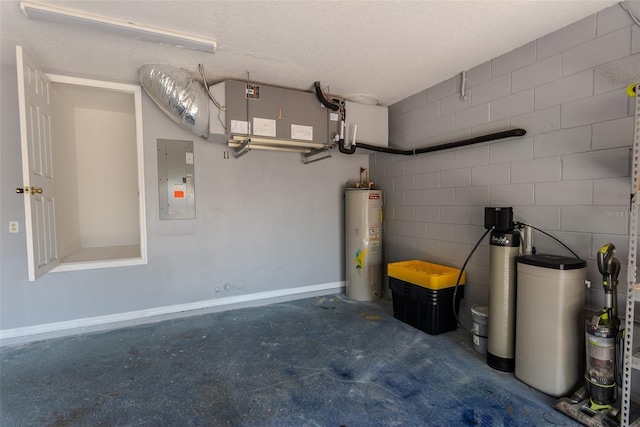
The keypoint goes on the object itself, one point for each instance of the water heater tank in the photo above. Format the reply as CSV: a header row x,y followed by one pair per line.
x,y
363,227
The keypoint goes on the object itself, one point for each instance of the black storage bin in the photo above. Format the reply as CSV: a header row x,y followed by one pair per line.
x,y
429,310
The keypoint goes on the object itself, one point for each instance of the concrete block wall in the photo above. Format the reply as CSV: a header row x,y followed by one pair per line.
x,y
569,175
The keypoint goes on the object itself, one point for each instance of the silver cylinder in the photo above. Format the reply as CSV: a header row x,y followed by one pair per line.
x,y
504,247
363,227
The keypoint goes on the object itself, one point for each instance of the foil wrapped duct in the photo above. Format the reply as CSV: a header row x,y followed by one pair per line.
x,y
179,95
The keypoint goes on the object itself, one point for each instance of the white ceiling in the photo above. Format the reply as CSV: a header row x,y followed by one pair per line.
x,y
385,49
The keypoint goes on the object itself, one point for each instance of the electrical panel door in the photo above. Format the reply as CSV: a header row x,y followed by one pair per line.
x,y
176,180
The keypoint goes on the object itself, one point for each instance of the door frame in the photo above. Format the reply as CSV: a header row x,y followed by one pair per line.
x,y
136,91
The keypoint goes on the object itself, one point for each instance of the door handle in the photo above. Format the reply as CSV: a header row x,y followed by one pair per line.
x,y
32,190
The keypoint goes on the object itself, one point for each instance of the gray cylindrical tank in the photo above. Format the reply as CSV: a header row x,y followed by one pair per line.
x,y
363,242
550,322
504,247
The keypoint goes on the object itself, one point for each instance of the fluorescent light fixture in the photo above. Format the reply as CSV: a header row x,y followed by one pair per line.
x,y
113,26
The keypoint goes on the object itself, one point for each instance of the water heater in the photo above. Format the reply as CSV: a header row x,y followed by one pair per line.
x,y
363,241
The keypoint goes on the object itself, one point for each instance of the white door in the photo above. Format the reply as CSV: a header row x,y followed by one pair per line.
x,y
37,166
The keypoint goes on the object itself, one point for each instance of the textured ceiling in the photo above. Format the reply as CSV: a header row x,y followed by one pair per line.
x,y
383,49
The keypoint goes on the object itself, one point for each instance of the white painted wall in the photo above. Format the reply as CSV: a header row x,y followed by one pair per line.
x,y
264,222
107,178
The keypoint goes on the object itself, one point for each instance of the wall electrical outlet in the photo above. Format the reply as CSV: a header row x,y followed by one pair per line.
x,y
14,227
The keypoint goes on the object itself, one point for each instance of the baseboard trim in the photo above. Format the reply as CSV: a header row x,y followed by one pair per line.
x,y
131,318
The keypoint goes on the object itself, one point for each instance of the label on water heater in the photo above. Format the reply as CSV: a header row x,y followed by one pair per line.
x,y
374,197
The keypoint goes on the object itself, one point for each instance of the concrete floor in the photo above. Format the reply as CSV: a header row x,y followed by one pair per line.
x,y
322,361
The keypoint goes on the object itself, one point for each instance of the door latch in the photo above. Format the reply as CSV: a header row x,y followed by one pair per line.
x,y
32,190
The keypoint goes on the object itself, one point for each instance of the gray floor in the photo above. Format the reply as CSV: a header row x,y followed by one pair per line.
x,y
320,361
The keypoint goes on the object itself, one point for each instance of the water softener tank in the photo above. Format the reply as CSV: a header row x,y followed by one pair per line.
x,y
549,322
363,227
504,247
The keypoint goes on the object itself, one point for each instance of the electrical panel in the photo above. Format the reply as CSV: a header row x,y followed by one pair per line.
x,y
176,179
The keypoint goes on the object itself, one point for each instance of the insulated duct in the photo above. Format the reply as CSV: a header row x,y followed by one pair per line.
x,y
179,95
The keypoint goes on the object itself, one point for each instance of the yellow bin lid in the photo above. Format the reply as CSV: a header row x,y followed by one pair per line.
x,y
425,274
